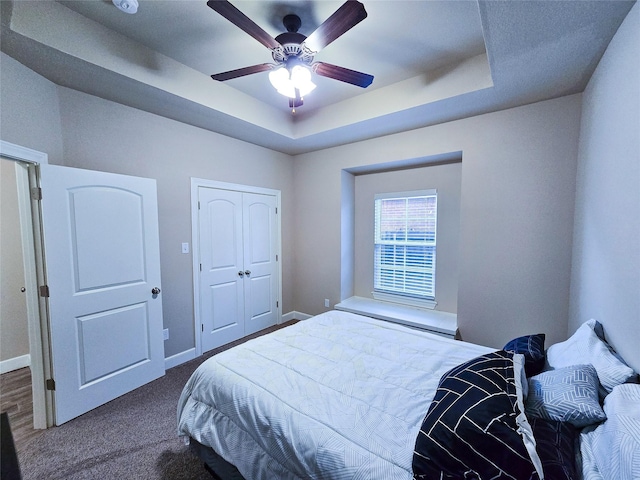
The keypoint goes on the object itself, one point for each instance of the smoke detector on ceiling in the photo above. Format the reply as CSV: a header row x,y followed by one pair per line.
x,y
127,6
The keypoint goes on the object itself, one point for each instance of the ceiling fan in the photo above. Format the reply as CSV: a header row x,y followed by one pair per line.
x,y
294,53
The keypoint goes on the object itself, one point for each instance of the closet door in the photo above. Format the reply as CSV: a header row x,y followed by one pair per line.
x,y
238,264
259,237
221,267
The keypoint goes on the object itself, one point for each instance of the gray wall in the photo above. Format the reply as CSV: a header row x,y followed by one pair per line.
x,y
517,198
30,115
517,207
102,135
606,256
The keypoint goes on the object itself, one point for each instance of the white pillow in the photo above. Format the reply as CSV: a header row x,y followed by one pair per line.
x,y
584,347
615,444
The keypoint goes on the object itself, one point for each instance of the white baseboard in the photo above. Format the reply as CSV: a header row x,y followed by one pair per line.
x,y
179,358
15,363
295,316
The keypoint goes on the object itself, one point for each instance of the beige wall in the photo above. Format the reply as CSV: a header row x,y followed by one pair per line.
x,y
14,332
606,257
518,183
516,206
30,115
105,136
510,161
446,179
102,135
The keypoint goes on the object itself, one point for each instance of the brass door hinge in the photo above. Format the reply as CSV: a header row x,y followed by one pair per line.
x,y
51,384
44,291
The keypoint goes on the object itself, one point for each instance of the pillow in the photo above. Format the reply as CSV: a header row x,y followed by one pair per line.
x,y
616,442
584,347
568,394
597,328
476,426
556,447
532,347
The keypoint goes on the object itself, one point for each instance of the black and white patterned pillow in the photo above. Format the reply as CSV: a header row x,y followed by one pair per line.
x,y
476,426
532,347
556,447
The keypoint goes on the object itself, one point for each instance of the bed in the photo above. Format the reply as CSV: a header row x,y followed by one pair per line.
x,y
342,396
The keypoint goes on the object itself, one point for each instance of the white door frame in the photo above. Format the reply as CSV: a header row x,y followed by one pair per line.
x,y
195,243
33,263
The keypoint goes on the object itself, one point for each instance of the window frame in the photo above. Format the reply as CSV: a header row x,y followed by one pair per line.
x,y
406,298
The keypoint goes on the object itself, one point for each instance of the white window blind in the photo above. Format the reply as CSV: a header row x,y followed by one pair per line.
x,y
405,243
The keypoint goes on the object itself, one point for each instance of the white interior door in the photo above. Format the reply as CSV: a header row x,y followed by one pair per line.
x,y
102,260
260,237
221,267
238,280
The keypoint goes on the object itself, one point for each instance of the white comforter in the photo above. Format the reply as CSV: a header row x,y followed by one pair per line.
x,y
338,396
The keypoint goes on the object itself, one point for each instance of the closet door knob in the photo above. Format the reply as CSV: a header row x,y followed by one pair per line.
x,y
155,290
247,272
241,273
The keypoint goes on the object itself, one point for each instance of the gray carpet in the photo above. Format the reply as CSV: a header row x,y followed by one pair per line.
x,y
131,437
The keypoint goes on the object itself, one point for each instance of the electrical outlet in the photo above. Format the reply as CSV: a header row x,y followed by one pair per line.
x,y
326,303
165,332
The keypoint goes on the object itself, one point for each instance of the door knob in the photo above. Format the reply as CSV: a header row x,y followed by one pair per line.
x,y
241,273
247,272
155,290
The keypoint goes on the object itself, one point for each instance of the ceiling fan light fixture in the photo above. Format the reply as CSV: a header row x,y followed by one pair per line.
x,y
287,83
127,6
279,78
294,52
301,79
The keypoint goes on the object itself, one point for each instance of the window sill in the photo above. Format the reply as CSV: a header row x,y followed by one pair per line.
x,y
433,321
404,301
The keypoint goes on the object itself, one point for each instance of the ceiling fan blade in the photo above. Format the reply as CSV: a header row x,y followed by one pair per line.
x,y
239,19
241,72
343,74
346,17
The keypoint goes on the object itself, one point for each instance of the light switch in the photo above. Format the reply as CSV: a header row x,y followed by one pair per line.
x,y
185,247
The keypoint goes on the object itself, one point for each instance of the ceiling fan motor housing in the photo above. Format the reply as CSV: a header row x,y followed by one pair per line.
x,y
291,42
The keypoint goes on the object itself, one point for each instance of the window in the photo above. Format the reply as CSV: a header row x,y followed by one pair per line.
x,y
405,247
